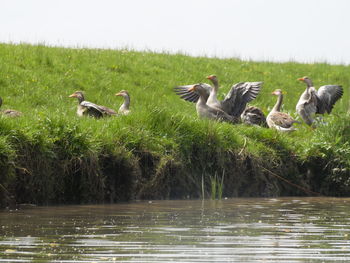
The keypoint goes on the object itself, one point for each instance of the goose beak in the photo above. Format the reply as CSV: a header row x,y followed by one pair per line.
x,y
118,94
72,95
209,77
301,79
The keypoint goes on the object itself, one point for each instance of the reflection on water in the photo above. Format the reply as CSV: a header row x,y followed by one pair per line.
x,y
233,230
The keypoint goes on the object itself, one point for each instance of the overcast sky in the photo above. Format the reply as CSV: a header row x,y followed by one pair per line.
x,y
275,30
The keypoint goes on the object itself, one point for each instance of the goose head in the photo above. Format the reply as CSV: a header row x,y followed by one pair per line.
x,y
79,95
307,80
213,79
277,92
122,93
198,89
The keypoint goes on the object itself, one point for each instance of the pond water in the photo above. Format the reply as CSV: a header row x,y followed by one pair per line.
x,y
231,230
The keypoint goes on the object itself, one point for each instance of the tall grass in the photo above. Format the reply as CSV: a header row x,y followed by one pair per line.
x,y
162,149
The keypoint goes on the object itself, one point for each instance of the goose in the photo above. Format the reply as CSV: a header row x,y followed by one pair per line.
x,y
124,108
253,116
8,112
277,119
206,111
235,101
319,101
89,108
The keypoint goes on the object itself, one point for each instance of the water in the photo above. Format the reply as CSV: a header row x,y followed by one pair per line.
x,y
232,230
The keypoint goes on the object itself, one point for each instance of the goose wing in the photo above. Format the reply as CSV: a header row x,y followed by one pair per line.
x,y
282,119
184,94
108,111
238,97
97,110
327,96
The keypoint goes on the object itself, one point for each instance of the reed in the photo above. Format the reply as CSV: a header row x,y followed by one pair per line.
x,y
213,185
217,186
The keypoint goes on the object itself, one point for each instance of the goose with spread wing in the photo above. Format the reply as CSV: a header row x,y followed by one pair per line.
x,y
86,108
124,108
206,111
235,101
279,120
8,112
319,101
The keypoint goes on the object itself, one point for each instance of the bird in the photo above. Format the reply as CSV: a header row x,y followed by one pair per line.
x,y
8,112
124,108
206,111
319,101
277,119
253,116
89,108
235,101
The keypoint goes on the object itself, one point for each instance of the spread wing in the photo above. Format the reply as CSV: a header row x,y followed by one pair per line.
x,y
183,92
327,96
107,110
238,97
97,110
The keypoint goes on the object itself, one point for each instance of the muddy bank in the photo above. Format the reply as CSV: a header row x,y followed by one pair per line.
x,y
38,178
56,163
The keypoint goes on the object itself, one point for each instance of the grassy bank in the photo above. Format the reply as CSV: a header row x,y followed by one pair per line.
x,y
161,150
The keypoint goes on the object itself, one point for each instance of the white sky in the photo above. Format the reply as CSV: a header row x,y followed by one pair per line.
x,y
275,30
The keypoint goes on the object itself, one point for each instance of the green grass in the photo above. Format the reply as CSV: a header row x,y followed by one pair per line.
x,y
160,150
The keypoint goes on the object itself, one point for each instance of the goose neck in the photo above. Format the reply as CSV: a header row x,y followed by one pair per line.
x,y
278,104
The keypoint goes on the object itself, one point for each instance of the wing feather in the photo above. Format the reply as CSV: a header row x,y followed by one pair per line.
x,y
240,94
97,110
184,94
327,96
282,119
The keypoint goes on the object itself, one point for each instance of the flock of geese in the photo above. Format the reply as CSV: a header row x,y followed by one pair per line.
x,y
91,109
86,108
233,108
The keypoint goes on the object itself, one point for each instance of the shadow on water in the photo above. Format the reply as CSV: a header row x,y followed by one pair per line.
x,y
232,230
